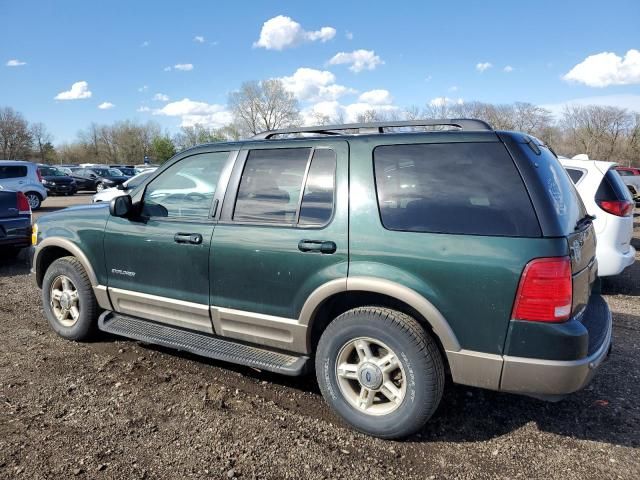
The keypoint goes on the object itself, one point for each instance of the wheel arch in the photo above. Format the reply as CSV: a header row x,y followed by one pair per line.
x,y
336,297
51,249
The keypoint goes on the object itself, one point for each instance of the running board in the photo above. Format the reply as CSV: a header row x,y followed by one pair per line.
x,y
202,344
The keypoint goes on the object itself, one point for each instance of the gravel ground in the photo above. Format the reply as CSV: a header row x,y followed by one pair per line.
x,y
119,409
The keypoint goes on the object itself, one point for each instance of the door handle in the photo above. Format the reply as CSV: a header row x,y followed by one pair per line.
x,y
321,246
192,238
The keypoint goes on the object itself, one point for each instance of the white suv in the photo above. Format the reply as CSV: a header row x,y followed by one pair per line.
x,y
607,198
23,177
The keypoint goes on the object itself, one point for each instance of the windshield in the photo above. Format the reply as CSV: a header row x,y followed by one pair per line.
x,y
51,172
107,172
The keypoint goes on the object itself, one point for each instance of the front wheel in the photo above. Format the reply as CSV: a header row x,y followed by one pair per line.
x,y
68,300
99,187
34,199
380,371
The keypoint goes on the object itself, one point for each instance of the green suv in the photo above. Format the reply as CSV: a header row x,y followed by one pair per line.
x,y
383,256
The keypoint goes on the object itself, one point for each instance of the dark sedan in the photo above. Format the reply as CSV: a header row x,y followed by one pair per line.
x,y
56,181
15,222
98,178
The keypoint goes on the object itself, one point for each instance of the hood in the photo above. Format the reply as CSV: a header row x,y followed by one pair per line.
x,y
116,180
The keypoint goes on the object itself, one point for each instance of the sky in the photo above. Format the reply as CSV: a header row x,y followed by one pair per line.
x,y
70,63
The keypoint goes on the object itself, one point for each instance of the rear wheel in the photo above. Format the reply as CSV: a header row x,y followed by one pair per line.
x,y
380,371
35,200
68,300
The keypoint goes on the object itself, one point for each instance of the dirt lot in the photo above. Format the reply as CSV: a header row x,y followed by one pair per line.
x,y
118,409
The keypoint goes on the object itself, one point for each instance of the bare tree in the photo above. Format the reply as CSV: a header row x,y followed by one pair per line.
x,y
15,136
265,105
41,139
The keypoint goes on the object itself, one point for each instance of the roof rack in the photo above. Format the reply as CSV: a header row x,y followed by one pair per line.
x,y
376,127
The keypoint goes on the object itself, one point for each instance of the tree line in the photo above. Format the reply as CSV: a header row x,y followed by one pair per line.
x,y
602,132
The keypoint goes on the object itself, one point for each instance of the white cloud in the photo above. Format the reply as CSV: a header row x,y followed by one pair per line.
x,y
453,88
358,59
349,113
607,68
106,106
15,63
143,108
349,35
143,88
628,101
185,67
145,44
508,69
308,84
192,112
198,39
161,97
167,69
428,78
79,90
481,67
282,32
443,101
376,97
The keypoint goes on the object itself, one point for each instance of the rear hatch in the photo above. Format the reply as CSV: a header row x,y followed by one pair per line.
x,y
614,198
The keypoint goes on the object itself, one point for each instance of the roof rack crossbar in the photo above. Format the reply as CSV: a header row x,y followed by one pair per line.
x,y
377,127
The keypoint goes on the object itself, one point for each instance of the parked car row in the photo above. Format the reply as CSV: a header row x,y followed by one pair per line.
x,y
38,181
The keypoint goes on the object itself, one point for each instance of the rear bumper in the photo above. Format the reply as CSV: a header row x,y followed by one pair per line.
x,y
555,378
15,232
612,261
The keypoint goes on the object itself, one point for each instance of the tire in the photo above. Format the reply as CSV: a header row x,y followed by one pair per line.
x,y
419,363
99,187
85,326
35,200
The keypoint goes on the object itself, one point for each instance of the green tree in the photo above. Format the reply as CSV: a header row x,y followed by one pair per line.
x,y
162,148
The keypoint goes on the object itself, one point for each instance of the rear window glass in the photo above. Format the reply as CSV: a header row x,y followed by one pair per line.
x,y
13,171
575,174
612,188
458,188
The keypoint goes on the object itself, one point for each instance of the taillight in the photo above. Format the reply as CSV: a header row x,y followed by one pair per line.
x,y
619,208
23,204
39,175
545,292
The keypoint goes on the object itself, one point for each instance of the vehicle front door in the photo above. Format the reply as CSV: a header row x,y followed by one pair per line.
x,y
282,234
158,262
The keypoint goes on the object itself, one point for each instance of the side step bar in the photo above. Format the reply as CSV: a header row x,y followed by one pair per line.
x,y
202,344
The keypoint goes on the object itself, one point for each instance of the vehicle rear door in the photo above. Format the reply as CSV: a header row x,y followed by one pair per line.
x,y
282,234
158,262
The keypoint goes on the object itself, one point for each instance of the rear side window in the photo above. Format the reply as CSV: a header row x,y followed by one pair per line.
x,y
575,174
612,188
457,188
625,173
271,184
317,201
13,171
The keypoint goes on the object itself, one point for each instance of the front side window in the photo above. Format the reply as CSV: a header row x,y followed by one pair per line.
x,y
186,189
13,171
270,187
457,188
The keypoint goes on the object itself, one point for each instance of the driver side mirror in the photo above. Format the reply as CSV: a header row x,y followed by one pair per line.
x,y
92,175
120,186
121,206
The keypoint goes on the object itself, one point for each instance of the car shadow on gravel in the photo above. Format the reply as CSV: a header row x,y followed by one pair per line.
x,y
626,283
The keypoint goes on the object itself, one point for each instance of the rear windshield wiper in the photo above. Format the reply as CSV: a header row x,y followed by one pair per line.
x,y
586,220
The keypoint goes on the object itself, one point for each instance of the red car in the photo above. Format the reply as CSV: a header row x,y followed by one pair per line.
x,y
626,171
